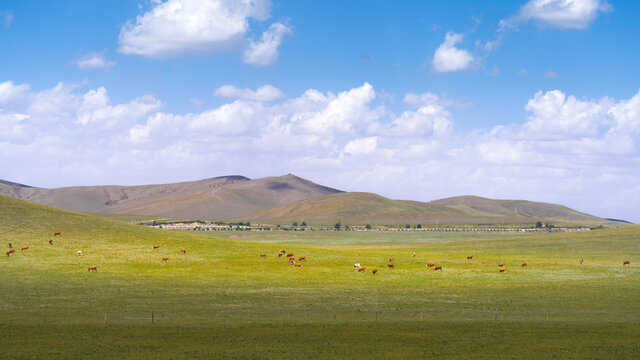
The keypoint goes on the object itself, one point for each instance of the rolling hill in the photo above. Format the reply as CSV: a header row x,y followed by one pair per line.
x,y
361,208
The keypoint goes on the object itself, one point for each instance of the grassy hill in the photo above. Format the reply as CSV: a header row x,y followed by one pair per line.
x,y
221,300
363,208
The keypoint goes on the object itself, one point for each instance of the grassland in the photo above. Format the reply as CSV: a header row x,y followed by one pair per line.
x,y
221,300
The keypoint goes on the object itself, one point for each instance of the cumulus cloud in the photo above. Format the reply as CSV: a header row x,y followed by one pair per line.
x,y
448,58
265,51
563,14
177,28
266,93
584,153
94,61
551,74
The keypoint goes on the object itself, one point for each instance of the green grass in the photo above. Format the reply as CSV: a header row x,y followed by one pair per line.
x,y
222,301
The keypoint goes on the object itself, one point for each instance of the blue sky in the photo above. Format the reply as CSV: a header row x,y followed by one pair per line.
x,y
419,100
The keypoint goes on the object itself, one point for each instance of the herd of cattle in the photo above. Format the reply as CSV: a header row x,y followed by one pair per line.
x,y
291,259
79,252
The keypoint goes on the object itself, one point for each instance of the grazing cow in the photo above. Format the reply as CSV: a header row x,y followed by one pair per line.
x,y
93,268
184,251
374,271
57,233
431,265
12,251
302,258
362,269
24,248
356,266
626,262
469,257
282,251
50,242
165,259
524,264
437,268
391,260
502,270
297,265
292,259
155,247
501,264
8,253
391,266
279,255
79,253
413,255
10,246
581,261
289,255
263,255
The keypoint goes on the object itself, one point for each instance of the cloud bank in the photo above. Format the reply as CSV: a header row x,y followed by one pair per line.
x,y
583,153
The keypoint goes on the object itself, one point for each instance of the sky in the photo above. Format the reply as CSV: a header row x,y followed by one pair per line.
x,y
536,100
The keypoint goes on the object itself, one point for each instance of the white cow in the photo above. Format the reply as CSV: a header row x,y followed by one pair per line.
x,y
79,253
356,266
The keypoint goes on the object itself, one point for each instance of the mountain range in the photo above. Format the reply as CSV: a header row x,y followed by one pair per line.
x,y
289,198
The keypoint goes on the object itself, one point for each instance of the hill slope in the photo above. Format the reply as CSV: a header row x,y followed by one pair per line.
x,y
215,198
361,208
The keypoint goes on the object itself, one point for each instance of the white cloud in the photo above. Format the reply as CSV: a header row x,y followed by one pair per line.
x,y
266,93
584,153
551,74
448,58
265,51
563,14
177,28
94,61
7,16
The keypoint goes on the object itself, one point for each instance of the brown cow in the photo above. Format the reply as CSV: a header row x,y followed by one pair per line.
x,y
165,259
297,265
524,264
431,265
24,248
93,268
626,262
289,255
263,255
413,255
57,233
362,269
50,242
8,253
12,251
155,247
501,264
184,251
502,270
469,257
302,258
437,268
374,271
10,246
279,255
391,266
282,251
581,261
391,260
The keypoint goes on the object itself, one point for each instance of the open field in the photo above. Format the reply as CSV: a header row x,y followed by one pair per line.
x,y
221,300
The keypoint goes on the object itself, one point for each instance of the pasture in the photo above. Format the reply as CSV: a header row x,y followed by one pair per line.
x,y
221,300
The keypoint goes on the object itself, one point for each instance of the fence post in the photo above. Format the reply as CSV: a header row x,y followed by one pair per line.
x,y
334,316
44,320
152,316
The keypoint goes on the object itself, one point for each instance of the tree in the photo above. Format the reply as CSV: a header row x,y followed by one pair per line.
x,y
538,224
419,226
368,227
303,224
408,226
295,223
337,226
